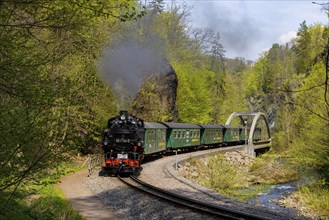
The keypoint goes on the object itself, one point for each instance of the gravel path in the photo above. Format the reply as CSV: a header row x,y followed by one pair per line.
x,y
83,199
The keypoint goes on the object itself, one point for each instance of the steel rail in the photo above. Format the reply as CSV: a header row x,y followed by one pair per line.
x,y
212,209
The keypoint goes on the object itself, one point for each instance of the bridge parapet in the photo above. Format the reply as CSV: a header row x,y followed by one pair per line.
x,y
258,130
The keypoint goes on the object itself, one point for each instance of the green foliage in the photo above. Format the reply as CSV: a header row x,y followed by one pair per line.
x,y
234,100
312,125
254,78
309,45
52,101
194,93
268,78
170,26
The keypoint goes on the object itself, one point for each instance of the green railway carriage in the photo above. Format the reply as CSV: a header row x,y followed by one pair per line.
x,y
181,135
231,134
155,138
212,134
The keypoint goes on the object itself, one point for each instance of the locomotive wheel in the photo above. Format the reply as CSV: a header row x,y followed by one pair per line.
x,y
137,171
105,172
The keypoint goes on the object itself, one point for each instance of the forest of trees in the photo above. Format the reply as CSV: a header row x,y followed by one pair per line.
x,y
55,103
52,100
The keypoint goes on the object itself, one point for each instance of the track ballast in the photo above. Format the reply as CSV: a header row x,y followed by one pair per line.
x,y
211,209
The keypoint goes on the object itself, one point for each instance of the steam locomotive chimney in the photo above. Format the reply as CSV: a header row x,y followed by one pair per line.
x,y
124,113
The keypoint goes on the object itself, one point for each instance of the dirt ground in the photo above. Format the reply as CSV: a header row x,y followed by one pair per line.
x,y
83,199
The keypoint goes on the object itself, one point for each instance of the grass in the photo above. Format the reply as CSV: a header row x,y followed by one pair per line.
x,y
316,197
53,205
216,173
39,199
49,204
245,194
269,169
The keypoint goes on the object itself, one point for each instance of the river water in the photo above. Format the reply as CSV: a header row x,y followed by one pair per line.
x,y
274,193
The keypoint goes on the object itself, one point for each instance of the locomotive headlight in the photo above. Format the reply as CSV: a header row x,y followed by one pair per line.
x,y
122,117
105,143
139,143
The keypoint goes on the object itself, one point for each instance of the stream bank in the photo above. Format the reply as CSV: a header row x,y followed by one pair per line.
x,y
245,185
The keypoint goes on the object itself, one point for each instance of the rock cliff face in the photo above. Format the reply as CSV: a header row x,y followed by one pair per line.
x,y
156,100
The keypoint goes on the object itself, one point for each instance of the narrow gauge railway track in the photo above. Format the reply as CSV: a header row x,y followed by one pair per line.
x,y
211,209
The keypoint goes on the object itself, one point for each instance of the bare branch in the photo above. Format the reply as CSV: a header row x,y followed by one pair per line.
x,y
302,90
33,25
310,110
327,76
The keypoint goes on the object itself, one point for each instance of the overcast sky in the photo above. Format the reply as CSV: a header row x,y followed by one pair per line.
x,y
251,26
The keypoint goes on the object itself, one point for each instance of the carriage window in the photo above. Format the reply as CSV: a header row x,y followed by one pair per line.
x,y
178,134
159,134
183,134
175,134
151,136
153,133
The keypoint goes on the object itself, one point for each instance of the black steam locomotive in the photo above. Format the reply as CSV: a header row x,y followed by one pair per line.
x,y
123,144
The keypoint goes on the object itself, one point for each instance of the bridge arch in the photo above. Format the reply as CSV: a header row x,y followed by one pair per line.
x,y
259,135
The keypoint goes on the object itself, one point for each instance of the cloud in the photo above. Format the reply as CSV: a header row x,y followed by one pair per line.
x,y
285,38
237,27
246,27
